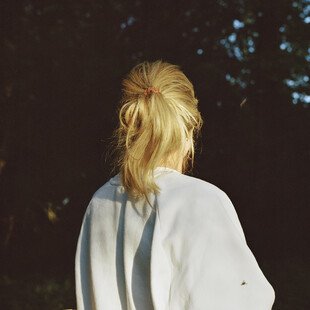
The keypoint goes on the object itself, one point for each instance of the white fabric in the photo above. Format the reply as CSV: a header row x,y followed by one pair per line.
x,y
189,253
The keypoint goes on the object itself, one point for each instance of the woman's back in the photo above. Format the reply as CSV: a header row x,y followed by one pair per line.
x,y
188,252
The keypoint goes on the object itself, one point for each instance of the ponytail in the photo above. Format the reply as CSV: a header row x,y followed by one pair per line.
x,y
157,115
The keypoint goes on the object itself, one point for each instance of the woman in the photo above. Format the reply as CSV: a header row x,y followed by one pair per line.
x,y
153,237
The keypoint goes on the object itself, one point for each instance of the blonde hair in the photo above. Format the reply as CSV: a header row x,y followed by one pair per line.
x,y
154,126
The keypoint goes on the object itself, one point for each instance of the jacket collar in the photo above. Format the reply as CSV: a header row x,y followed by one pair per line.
x,y
116,180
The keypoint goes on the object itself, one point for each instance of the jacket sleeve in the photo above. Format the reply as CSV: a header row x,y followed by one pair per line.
x,y
232,268
96,268
82,265
221,271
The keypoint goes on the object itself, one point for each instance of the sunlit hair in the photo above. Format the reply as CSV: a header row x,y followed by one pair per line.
x,y
154,128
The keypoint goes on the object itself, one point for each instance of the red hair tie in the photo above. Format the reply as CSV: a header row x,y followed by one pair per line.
x,y
150,90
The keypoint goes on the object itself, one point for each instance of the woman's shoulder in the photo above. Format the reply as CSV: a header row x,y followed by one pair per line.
x,y
173,186
188,196
190,185
101,199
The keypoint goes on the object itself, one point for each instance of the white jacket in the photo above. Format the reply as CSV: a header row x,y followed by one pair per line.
x,y
188,254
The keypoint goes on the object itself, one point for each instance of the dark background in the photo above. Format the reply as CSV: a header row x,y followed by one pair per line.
x,y
61,68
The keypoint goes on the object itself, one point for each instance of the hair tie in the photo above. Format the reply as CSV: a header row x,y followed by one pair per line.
x,y
150,90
